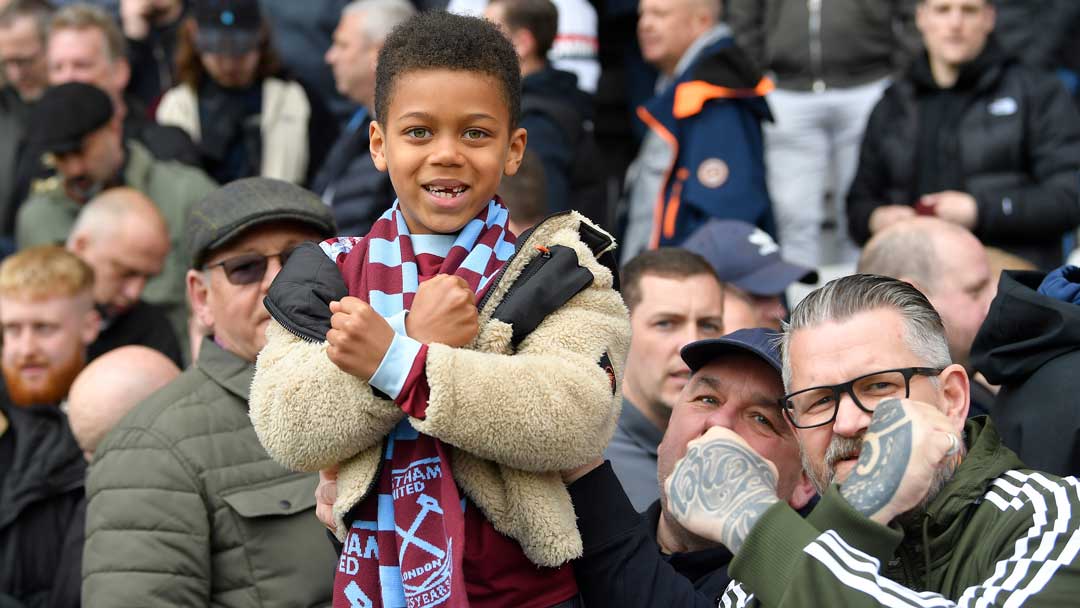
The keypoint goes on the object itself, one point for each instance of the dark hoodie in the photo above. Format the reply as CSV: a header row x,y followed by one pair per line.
x,y
554,111
1030,344
41,496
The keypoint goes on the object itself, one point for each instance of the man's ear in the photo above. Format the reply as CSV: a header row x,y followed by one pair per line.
x,y
198,294
802,494
121,74
956,390
77,243
517,151
377,145
91,326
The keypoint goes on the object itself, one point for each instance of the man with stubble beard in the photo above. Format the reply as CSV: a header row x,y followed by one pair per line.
x,y
48,319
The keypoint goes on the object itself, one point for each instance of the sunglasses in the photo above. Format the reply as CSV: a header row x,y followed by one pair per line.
x,y
248,268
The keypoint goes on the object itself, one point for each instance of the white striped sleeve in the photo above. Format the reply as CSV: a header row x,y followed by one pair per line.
x,y
1048,547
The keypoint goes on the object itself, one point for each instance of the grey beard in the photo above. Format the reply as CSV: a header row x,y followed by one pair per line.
x,y
840,448
845,447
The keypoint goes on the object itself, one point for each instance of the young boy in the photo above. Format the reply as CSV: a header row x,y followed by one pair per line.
x,y
450,373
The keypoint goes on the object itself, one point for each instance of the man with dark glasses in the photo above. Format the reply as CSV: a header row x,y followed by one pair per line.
x,y
218,521
920,506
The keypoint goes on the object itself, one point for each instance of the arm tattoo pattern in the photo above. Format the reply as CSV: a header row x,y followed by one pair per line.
x,y
726,482
886,451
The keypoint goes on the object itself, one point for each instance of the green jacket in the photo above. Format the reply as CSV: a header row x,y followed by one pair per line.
x,y
996,535
185,508
48,216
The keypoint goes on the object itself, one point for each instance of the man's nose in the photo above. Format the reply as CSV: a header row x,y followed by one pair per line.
x,y
722,416
850,418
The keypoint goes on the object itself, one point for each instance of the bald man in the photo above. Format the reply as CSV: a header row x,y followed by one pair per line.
x,y
110,387
950,266
123,237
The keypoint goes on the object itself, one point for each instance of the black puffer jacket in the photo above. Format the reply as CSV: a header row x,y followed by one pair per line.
x,y
1030,344
1016,145
40,508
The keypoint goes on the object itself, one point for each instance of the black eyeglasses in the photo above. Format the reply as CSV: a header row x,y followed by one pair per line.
x,y
248,268
818,405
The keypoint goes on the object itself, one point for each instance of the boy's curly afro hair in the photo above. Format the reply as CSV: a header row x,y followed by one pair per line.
x,y
437,40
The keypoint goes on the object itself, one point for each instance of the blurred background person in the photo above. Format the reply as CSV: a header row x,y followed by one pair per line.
x,y
82,135
748,258
86,45
525,194
244,117
348,181
24,25
48,319
151,28
973,136
1030,346
555,112
674,298
124,239
110,387
830,59
950,267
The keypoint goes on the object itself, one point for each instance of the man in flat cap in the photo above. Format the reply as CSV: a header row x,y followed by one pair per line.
x,y
78,128
185,507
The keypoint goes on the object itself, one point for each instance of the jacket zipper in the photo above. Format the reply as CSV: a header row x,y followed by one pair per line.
x,y
816,67
284,321
525,236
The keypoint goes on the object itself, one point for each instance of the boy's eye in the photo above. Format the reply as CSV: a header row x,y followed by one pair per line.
x,y
418,132
474,134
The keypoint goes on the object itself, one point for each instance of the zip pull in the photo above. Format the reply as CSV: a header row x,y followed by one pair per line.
x,y
544,251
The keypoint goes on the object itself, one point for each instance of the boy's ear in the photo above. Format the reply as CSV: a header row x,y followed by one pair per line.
x,y
517,151
377,145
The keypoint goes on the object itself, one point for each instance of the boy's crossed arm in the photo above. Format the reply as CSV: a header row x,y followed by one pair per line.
x,y
550,406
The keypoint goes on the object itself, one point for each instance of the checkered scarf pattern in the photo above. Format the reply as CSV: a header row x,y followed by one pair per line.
x,y
405,546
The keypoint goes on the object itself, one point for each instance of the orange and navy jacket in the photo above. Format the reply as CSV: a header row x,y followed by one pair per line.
x,y
711,117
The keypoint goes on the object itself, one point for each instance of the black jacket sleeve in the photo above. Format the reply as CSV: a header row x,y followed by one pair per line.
x,y
621,565
868,189
1049,204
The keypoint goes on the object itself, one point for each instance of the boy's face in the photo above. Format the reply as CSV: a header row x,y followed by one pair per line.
x,y
446,141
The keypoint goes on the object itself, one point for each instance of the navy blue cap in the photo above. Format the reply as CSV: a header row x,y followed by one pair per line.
x,y
227,26
755,341
747,257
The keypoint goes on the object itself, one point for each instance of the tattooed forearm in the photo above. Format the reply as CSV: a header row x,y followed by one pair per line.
x,y
884,458
726,487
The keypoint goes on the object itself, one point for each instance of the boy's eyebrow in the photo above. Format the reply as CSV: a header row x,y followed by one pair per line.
x,y
425,116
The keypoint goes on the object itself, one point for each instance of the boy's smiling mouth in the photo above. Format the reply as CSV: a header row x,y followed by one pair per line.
x,y
445,189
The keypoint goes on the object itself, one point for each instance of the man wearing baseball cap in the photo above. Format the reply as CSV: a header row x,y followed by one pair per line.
x,y
185,505
633,560
748,258
76,125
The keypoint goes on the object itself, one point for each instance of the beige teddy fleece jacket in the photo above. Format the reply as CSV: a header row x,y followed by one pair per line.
x,y
513,419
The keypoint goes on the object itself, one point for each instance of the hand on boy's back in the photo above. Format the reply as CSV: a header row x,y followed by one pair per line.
x,y
443,311
358,338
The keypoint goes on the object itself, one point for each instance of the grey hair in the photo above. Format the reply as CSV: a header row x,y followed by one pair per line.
x,y
381,16
38,10
843,298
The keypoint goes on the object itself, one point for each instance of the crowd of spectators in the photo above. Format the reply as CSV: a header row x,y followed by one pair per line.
x,y
803,240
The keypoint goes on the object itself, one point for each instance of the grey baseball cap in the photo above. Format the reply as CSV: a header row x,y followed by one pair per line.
x,y
245,203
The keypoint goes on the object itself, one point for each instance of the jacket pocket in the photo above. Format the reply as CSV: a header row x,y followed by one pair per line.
x,y
545,284
281,498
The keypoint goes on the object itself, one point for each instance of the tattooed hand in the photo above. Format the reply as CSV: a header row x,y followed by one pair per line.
x,y
721,488
905,454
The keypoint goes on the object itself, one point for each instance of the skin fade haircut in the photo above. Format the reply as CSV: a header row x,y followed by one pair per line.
x,y
439,40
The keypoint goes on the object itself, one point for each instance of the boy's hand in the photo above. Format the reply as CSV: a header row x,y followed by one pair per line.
x,y
358,338
443,311
325,495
